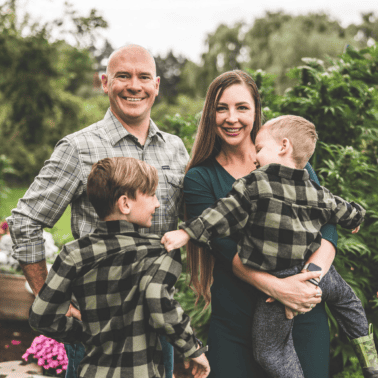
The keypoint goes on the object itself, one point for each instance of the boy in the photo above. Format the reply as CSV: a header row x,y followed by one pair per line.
x,y
122,280
281,211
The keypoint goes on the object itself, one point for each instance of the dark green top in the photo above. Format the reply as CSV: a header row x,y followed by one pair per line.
x,y
232,299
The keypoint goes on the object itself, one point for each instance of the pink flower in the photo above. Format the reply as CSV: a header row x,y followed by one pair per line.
x,y
50,353
15,342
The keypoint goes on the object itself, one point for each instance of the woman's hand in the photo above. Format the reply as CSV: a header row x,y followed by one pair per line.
x,y
297,293
175,239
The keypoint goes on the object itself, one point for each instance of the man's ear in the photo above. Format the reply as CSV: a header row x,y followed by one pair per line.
x,y
104,81
157,84
124,205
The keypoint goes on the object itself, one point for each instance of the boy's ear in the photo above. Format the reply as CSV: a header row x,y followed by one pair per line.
x,y
286,147
124,205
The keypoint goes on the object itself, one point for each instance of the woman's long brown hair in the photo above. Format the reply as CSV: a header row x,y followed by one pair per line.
x,y
207,144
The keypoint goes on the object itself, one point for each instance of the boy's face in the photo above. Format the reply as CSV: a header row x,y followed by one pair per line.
x,y
142,209
267,149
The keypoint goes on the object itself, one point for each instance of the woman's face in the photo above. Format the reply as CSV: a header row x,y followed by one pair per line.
x,y
235,114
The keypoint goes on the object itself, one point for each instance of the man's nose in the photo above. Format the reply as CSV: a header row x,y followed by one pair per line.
x,y
134,84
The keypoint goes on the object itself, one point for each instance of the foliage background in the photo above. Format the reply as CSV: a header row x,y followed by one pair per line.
x,y
307,65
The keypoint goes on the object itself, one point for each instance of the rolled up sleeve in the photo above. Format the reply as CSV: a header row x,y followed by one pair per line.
x,y
44,203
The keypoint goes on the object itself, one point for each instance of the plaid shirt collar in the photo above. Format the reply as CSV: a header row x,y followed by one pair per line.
x,y
116,227
115,131
286,172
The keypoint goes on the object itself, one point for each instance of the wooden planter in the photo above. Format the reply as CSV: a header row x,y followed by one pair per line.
x,y
15,300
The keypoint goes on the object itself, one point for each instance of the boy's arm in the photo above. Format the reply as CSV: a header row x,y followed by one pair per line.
x,y
227,216
48,312
165,314
347,214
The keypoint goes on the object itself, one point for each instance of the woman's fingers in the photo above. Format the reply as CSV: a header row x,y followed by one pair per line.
x,y
297,293
308,275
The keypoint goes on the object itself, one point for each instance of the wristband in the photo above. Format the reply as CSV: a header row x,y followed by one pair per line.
x,y
199,351
310,267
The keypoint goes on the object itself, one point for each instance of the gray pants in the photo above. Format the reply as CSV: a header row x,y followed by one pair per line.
x,y
272,339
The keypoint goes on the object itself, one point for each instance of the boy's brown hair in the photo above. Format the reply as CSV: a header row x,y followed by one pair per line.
x,y
301,133
111,178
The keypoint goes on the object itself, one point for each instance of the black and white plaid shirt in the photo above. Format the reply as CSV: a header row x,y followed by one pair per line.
x,y
276,213
124,284
63,181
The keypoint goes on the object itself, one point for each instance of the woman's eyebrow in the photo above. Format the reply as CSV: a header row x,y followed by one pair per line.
x,y
238,103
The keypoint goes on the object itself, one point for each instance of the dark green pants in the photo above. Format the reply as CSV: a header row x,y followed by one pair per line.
x,y
230,357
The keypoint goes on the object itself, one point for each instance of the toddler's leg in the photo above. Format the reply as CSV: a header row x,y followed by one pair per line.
x,y
350,315
344,304
272,341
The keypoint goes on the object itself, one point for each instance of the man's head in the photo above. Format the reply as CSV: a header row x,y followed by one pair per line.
x,y
131,84
287,140
123,188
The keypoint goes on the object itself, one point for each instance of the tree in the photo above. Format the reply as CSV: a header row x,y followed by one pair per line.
x,y
169,69
38,82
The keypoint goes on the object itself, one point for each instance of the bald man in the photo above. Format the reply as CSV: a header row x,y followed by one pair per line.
x,y
126,130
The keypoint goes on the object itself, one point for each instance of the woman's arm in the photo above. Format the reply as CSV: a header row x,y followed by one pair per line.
x,y
294,292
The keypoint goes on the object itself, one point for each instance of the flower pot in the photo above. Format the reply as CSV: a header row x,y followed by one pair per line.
x,y
15,300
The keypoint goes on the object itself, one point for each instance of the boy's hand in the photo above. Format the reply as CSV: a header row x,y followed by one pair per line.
x,y
175,239
354,231
73,312
201,368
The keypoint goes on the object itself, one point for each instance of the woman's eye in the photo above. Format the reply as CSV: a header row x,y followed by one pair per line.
x,y
220,108
243,108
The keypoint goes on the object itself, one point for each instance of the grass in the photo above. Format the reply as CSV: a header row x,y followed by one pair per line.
x,y
61,231
352,371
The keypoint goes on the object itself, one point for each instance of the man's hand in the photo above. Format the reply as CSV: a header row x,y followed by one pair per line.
x,y
355,230
73,312
35,274
201,367
175,239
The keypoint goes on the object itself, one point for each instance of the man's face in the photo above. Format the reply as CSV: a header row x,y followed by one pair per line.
x,y
131,85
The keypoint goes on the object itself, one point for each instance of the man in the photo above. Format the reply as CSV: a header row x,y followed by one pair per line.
x,y
126,130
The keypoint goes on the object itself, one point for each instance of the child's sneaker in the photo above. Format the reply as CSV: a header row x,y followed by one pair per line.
x,y
366,353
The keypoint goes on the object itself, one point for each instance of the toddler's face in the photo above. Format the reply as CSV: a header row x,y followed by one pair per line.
x,y
267,149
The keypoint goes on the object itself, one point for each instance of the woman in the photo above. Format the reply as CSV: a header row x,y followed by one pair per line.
x,y
223,152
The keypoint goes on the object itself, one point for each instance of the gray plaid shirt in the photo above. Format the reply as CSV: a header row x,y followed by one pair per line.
x,y
63,180
276,213
124,284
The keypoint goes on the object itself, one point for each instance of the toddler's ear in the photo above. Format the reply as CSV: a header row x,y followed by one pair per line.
x,y
286,147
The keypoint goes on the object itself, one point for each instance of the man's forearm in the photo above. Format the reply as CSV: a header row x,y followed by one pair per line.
x,y
35,274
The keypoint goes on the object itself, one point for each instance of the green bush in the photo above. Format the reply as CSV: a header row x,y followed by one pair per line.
x,y
341,98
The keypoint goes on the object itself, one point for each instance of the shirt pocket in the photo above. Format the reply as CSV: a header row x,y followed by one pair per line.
x,y
172,195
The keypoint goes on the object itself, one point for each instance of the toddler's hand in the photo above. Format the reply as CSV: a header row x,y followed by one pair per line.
x,y
354,231
175,239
